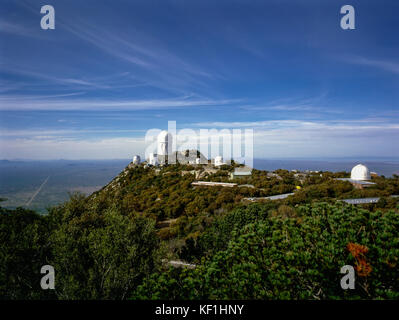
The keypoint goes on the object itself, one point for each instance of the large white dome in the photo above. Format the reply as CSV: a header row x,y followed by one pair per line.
x,y
163,136
360,172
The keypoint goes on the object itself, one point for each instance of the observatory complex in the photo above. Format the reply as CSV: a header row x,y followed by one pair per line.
x,y
360,174
166,153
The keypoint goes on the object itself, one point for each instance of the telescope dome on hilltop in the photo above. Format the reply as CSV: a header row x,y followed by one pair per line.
x,y
164,142
360,172
153,159
218,161
136,159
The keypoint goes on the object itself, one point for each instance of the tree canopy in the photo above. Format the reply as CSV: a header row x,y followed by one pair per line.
x,y
116,243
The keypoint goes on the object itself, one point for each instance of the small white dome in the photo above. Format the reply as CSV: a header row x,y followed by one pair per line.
x,y
360,172
153,159
218,160
136,159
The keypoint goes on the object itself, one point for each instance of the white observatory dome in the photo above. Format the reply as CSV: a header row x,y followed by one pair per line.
x,y
136,160
360,172
218,161
164,139
153,159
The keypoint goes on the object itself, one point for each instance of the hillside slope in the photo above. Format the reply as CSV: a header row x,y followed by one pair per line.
x,y
150,233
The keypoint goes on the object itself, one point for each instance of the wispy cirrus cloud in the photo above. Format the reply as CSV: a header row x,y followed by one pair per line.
x,y
15,29
334,138
386,65
109,82
144,56
40,133
316,104
55,148
11,97
317,125
274,138
155,61
21,102
145,51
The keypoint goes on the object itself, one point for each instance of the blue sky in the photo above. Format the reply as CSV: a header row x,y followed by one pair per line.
x,y
111,70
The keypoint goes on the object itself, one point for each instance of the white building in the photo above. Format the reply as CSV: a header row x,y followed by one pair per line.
x,y
164,143
219,161
360,173
359,176
241,173
136,159
153,159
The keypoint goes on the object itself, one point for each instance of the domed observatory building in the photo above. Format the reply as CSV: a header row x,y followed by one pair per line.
x,y
153,159
218,161
360,175
136,159
164,146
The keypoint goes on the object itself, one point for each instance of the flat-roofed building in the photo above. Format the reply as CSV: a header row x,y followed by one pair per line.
x,y
361,200
241,173
365,200
213,184
359,184
218,161
272,198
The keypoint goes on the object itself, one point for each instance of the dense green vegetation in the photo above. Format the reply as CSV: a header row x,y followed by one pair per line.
x,y
261,257
115,244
